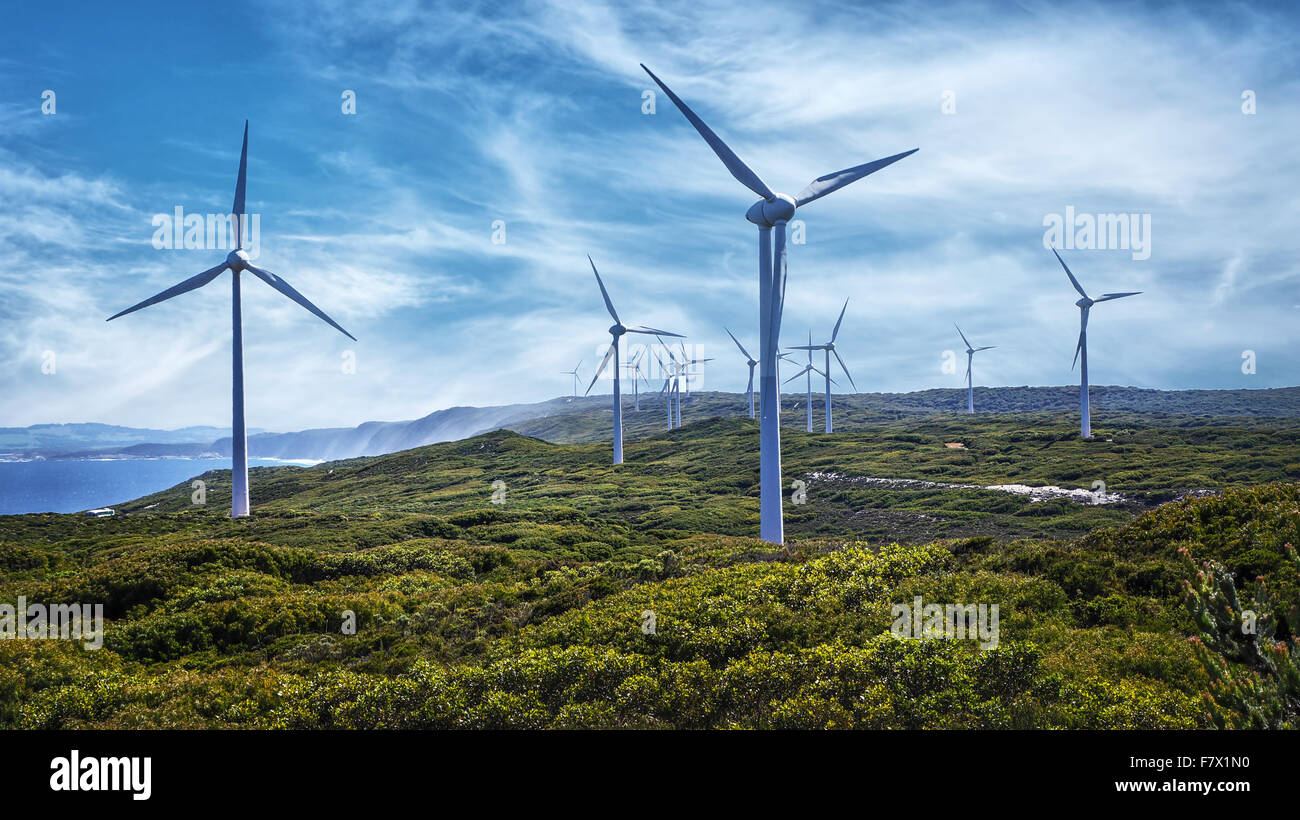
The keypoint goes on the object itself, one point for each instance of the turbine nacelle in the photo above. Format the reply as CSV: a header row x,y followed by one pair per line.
x,y
617,330
1085,303
767,212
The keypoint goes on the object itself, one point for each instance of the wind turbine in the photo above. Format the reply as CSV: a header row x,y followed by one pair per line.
x,y
664,391
634,367
807,371
686,376
574,374
751,361
829,347
617,330
237,262
970,359
772,211
1085,304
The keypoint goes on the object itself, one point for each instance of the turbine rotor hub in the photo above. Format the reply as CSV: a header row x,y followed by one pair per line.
x,y
237,258
617,330
1085,302
767,213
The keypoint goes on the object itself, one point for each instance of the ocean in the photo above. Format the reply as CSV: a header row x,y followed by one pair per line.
x,y
72,486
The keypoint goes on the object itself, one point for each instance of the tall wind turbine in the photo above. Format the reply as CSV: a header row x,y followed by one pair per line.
x,y
970,359
237,262
772,211
617,330
574,374
829,348
1085,304
751,361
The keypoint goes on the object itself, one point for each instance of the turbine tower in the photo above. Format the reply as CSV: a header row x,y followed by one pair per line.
x,y
773,210
970,359
617,330
751,361
829,348
1081,350
574,374
237,262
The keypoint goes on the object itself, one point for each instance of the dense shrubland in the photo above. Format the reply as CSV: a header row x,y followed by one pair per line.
x,y
531,614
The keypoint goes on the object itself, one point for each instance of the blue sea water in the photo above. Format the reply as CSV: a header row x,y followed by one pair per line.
x,y
71,486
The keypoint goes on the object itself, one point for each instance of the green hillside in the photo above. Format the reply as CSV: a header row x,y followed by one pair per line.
x,y
531,613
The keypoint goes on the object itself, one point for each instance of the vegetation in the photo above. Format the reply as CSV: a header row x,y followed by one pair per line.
x,y
538,612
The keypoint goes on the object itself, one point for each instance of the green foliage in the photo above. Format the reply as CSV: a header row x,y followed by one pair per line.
x,y
531,614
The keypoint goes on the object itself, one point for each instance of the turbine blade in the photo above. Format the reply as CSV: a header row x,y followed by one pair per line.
x,y
651,331
750,388
1073,281
988,347
836,331
241,185
1106,297
609,354
821,186
807,347
845,369
962,335
738,169
190,284
285,288
739,345
800,373
969,359
608,304
1083,329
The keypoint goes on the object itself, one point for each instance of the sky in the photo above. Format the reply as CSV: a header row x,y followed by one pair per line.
x,y
446,223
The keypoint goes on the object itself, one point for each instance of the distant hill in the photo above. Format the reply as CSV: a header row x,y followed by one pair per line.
x,y
586,419
58,438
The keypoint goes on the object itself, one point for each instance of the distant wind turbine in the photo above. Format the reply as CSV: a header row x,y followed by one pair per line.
x,y
751,361
1081,349
829,347
574,374
237,262
970,359
772,211
807,372
634,368
617,330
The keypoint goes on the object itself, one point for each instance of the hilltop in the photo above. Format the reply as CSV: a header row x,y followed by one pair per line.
x,y
580,419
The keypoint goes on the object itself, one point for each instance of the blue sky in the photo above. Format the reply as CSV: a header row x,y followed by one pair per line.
x,y
532,114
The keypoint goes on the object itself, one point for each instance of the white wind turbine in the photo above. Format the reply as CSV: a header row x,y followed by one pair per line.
x,y
574,374
751,361
686,363
634,369
829,348
970,359
665,391
1085,304
237,262
617,330
772,211
807,372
